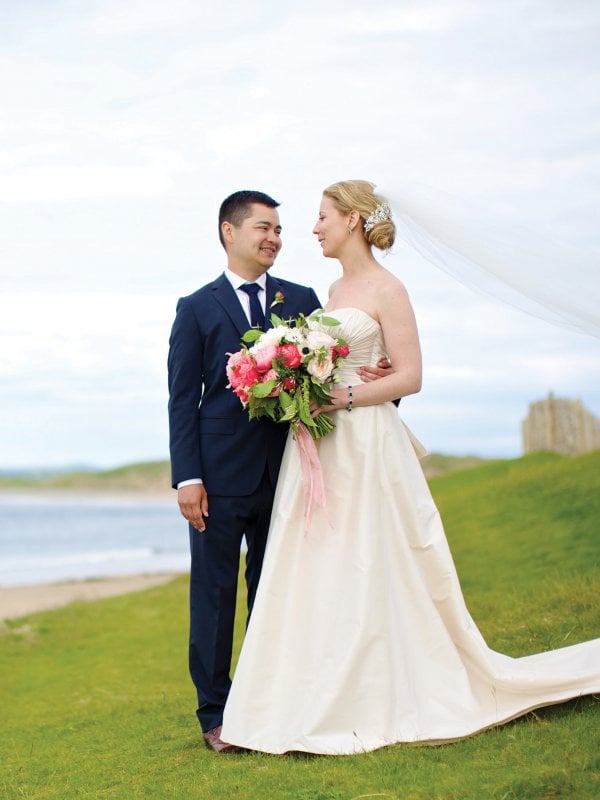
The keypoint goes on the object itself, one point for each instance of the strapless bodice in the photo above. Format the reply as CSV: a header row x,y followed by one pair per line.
x,y
364,337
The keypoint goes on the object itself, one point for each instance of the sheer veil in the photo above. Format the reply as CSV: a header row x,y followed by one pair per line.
x,y
552,280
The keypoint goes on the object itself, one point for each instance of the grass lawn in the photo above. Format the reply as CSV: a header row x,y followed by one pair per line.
x,y
96,701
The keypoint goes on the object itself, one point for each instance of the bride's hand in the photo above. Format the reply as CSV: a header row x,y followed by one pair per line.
x,y
339,399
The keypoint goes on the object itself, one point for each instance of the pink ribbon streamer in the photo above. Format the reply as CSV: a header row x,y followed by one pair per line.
x,y
312,474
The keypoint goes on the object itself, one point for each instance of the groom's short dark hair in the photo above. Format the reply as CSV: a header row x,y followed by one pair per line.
x,y
236,207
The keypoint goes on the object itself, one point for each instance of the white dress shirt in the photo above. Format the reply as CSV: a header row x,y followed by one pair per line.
x,y
236,281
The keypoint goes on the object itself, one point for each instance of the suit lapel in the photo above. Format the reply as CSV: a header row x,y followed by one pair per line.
x,y
273,286
226,297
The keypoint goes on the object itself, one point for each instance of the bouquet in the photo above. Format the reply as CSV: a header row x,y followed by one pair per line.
x,y
286,371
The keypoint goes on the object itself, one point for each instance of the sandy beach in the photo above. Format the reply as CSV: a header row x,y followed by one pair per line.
x,y
18,601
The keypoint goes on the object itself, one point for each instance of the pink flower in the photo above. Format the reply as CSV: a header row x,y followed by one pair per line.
x,y
289,355
342,350
241,371
232,365
242,393
263,357
289,383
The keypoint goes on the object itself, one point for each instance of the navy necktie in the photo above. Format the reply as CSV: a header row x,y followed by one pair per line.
x,y
257,316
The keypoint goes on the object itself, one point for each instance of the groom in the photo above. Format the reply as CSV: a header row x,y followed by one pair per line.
x,y
224,466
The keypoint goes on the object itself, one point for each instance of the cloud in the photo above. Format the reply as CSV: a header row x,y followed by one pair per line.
x,y
80,182
83,360
124,124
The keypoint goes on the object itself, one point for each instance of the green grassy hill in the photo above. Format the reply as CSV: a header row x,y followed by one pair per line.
x,y
435,464
527,528
155,477
150,476
97,702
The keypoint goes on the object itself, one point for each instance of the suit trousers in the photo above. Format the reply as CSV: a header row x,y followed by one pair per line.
x,y
215,563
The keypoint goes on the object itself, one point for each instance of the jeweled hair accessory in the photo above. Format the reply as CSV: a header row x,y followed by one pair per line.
x,y
381,214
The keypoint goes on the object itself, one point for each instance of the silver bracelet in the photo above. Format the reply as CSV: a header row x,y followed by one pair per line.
x,y
349,407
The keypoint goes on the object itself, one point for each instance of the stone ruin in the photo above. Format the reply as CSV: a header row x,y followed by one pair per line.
x,y
560,426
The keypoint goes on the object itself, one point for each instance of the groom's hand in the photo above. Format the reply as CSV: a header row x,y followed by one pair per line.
x,y
193,504
383,368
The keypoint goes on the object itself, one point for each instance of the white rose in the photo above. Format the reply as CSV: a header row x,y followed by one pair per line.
x,y
317,338
320,369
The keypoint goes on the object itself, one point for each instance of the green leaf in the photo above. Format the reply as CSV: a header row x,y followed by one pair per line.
x,y
285,399
290,413
270,411
319,393
263,407
329,321
252,335
263,389
304,412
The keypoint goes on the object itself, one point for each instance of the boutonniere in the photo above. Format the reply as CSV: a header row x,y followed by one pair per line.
x,y
279,298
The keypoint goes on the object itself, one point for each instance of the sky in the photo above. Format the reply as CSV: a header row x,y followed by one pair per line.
x,y
124,124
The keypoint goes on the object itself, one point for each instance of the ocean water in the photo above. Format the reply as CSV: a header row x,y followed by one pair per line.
x,y
47,539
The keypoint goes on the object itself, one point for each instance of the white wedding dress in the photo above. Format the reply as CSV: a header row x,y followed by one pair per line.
x,y
360,636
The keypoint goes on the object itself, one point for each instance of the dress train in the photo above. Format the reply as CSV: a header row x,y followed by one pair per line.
x,y
360,637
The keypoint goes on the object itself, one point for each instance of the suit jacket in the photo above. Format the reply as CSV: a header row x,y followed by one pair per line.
x,y
211,436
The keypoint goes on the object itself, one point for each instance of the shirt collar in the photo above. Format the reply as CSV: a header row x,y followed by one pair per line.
x,y
236,281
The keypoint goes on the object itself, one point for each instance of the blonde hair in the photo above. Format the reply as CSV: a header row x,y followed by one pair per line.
x,y
360,196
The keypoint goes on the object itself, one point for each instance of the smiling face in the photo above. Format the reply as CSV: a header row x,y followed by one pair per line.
x,y
253,246
331,228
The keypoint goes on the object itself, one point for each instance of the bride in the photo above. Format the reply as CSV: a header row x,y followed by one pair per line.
x,y
359,636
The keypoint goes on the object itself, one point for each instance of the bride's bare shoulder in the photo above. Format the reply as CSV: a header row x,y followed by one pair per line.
x,y
391,287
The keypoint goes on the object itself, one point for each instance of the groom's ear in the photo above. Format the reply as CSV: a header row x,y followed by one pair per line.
x,y
227,232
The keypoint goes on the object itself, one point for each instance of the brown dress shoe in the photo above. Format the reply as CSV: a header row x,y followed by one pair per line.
x,y
214,742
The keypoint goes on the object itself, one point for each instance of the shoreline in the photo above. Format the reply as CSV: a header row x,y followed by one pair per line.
x,y
86,494
20,601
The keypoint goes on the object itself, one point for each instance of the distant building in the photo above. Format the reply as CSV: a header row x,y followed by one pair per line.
x,y
561,426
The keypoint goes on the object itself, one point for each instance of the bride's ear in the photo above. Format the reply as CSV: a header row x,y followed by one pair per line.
x,y
353,220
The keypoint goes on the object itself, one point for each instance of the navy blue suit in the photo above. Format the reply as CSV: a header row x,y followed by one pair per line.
x,y
238,460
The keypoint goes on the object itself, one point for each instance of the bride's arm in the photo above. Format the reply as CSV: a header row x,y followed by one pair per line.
x,y
399,328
